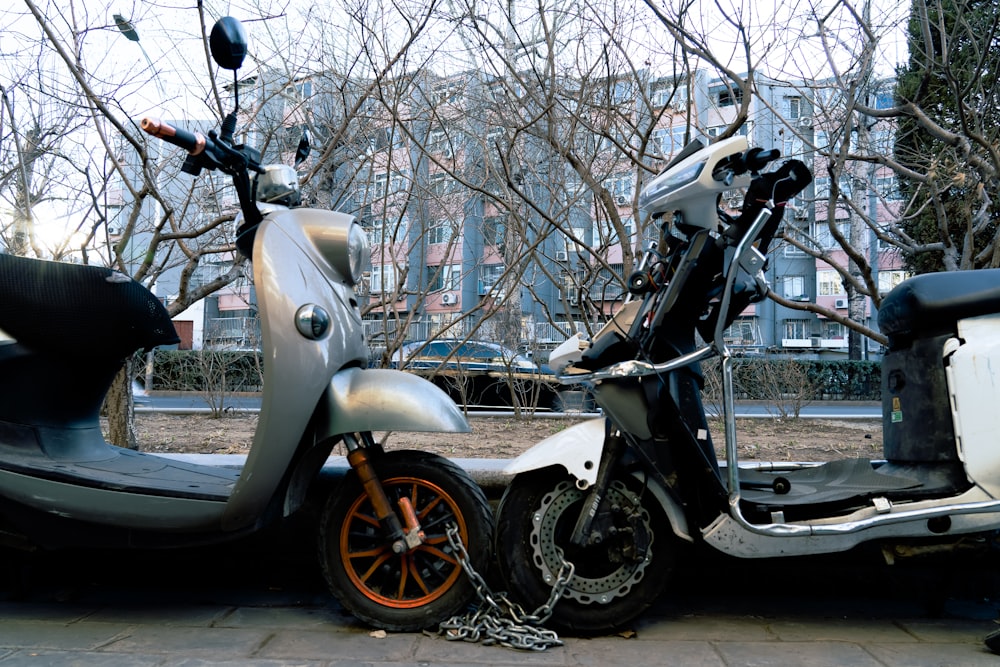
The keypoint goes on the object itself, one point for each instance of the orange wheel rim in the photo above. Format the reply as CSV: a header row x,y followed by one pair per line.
x,y
417,577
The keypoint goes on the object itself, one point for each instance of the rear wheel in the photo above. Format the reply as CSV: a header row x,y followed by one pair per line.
x,y
614,581
424,585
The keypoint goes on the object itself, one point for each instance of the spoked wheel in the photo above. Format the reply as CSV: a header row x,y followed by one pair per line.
x,y
615,579
426,584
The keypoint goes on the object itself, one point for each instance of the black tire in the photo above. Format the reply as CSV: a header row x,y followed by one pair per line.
x,y
535,517
420,588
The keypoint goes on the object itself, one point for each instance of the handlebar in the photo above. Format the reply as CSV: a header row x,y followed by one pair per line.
x,y
193,142
753,160
216,152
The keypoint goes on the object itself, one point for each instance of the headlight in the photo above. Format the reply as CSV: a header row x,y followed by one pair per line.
x,y
338,241
359,254
660,188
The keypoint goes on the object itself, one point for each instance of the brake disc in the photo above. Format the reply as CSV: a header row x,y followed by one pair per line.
x,y
548,556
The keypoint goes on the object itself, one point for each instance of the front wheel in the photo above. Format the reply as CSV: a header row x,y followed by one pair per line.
x,y
616,576
422,586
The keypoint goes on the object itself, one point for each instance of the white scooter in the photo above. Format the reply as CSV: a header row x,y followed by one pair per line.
x,y
383,536
617,497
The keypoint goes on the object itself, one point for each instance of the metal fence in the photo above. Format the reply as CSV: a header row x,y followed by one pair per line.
x,y
232,333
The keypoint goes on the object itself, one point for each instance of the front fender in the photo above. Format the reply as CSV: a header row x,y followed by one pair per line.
x,y
577,449
381,399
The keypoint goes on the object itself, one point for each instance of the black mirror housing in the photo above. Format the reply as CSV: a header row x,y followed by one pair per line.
x,y
228,43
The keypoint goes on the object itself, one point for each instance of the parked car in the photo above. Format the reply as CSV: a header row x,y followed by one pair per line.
x,y
468,356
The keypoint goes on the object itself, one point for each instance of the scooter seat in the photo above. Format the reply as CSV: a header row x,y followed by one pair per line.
x,y
56,306
932,303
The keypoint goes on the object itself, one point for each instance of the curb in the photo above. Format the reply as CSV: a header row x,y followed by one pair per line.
x,y
487,473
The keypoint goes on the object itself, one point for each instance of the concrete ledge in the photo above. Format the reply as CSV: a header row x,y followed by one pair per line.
x,y
488,473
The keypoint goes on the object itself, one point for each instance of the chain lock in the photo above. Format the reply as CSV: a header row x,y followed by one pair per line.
x,y
498,620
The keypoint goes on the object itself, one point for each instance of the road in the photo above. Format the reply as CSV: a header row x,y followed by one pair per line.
x,y
195,402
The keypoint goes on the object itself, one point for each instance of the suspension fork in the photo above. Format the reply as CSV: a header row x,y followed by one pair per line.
x,y
582,533
405,534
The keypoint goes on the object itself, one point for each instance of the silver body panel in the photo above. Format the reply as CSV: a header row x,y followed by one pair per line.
x,y
289,272
297,262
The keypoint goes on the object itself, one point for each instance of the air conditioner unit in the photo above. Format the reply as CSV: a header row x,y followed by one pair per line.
x,y
621,200
562,256
840,304
805,121
449,299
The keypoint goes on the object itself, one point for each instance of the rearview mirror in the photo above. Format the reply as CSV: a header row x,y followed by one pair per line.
x,y
228,43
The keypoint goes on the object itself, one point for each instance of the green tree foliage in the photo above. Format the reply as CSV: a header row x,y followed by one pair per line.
x,y
949,138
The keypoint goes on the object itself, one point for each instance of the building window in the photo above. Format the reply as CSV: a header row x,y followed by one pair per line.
x,y
824,236
380,186
383,278
888,279
791,146
438,143
793,107
440,231
440,184
728,97
743,331
821,187
796,329
494,230
607,234
663,94
833,330
794,288
489,276
797,233
446,277
888,187
620,186
669,140
829,283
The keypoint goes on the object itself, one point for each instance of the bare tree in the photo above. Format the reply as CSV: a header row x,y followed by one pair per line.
x,y
884,155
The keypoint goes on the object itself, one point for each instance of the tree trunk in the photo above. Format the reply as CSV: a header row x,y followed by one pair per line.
x,y
119,408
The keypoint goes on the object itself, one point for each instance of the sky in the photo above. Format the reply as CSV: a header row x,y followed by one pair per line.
x,y
784,34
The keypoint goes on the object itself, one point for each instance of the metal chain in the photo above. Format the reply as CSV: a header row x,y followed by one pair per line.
x,y
498,620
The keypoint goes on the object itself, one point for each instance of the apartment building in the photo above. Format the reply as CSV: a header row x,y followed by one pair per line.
x,y
484,226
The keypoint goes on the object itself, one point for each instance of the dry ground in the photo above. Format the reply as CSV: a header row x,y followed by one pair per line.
x,y
759,439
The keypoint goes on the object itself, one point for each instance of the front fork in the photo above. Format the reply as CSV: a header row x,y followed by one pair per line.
x,y
583,533
405,534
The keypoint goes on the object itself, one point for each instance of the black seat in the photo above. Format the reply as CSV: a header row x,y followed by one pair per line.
x,y
931,304
54,306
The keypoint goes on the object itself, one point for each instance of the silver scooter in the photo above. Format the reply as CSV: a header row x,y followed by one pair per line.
x,y
383,537
620,497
